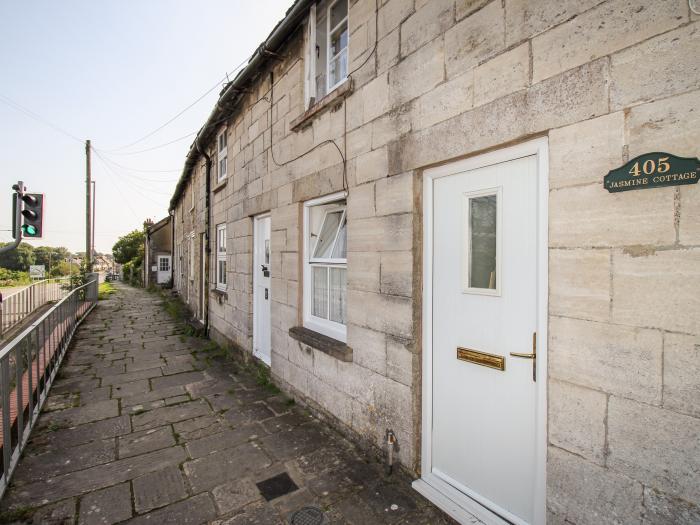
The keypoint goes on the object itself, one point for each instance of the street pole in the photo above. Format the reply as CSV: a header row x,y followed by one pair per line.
x,y
94,212
88,205
19,190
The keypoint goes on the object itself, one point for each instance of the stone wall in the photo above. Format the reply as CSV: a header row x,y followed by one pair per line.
x,y
444,79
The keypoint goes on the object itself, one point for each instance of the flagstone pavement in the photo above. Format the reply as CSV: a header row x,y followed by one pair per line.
x,y
144,426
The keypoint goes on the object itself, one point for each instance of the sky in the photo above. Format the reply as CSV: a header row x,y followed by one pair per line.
x,y
112,71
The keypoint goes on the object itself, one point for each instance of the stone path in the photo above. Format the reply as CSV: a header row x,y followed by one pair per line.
x,y
147,425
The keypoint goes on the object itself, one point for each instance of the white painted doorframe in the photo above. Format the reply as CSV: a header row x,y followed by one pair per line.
x,y
203,261
257,273
457,504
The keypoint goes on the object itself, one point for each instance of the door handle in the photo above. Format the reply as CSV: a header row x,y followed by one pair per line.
x,y
524,356
532,356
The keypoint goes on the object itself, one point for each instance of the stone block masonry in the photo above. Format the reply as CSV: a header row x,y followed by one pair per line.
x,y
440,80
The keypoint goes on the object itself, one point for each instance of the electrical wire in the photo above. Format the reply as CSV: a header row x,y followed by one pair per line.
x,y
138,178
181,112
376,39
135,170
28,112
114,174
159,146
322,143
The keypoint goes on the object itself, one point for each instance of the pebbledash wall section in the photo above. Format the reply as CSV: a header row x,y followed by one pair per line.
x,y
604,81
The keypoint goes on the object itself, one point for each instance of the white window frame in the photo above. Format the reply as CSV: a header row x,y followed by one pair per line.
x,y
222,154
310,54
162,258
329,30
324,326
221,256
192,196
467,239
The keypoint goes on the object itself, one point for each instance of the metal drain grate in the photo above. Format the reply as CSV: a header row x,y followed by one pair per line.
x,y
308,516
276,486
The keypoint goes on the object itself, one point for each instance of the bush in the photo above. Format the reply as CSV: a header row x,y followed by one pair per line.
x,y
13,277
132,272
105,290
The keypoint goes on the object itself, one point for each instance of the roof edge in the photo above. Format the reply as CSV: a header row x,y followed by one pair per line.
x,y
272,43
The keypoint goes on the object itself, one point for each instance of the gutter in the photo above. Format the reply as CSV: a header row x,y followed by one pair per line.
x,y
235,90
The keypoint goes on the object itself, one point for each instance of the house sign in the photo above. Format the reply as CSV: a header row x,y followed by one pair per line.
x,y
653,170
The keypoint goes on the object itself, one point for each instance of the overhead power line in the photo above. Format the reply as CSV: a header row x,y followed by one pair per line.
x,y
178,115
116,152
28,112
126,169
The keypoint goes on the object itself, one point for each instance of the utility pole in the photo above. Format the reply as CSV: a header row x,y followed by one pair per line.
x,y
94,213
17,218
88,206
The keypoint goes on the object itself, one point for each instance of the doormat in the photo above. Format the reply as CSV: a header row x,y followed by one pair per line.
x,y
308,516
276,486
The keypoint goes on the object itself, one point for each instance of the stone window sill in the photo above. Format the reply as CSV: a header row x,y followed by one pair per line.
x,y
330,100
220,186
220,295
323,343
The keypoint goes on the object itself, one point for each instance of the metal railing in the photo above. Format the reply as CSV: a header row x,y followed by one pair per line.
x,y
17,307
28,366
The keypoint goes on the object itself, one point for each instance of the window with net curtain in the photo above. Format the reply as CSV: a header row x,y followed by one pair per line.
x,y
326,273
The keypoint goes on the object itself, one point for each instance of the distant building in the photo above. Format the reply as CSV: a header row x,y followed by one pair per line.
x,y
102,263
157,267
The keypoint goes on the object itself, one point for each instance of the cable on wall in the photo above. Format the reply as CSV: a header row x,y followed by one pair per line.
x,y
323,143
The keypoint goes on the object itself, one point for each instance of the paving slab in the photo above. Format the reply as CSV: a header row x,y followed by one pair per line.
x,y
157,489
209,471
172,414
106,506
146,441
229,438
50,464
161,435
235,495
193,511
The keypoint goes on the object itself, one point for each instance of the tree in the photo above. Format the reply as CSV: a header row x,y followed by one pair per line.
x,y
129,247
49,256
18,259
63,268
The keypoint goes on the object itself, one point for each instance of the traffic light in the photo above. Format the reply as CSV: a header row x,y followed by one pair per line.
x,y
32,214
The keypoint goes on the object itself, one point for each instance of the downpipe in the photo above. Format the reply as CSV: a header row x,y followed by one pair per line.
x,y
207,227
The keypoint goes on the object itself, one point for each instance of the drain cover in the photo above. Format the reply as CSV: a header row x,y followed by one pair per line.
x,y
308,516
276,486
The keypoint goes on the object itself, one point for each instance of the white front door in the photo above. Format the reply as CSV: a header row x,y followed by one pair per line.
x,y
484,444
202,275
261,287
163,269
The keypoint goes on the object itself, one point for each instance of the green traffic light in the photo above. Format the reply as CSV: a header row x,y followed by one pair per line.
x,y
29,230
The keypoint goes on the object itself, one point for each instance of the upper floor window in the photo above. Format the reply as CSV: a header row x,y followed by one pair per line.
x,y
325,266
327,50
222,155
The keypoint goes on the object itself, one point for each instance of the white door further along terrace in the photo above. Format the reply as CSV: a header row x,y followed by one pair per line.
x,y
261,289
